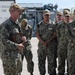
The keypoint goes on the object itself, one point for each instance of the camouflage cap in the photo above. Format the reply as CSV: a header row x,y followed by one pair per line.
x,y
16,7
67,9
59,13
46,12
66,13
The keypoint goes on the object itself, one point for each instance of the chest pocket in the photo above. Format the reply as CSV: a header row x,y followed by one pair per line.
x,y
14,33
50,30
62,30
42,29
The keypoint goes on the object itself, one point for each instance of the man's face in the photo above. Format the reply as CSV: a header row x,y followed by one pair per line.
x,y
17,13
59,17
66,18
46,17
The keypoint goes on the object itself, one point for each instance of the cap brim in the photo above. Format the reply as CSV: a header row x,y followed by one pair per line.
x,y
22,9
59,14
47,14
67,15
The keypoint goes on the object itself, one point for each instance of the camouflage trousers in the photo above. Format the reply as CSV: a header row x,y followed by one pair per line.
x,y
62,57
28,55
48,52
12,63
71,58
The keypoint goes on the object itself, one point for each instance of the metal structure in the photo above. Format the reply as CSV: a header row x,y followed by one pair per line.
x,y
8,0
34,13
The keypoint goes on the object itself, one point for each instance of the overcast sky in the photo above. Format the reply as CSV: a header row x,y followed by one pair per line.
x,y
61,3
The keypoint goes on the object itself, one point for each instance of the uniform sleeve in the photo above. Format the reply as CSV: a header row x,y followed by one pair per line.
x,y
5,40
30,32
68,33
37,28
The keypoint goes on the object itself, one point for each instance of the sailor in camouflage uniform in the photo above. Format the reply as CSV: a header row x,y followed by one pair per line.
x,y
47,45
62,42
11,56
27,31
71,47
1,45
58,19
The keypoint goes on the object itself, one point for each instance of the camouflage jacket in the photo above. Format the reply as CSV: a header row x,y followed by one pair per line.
x,y
62,31
46,31
9,29
27,32
71,31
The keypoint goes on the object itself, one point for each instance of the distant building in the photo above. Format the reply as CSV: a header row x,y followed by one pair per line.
x,y
34,13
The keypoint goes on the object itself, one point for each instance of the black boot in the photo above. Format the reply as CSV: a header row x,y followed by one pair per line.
x,y
54,73
42,74
61,74
31,73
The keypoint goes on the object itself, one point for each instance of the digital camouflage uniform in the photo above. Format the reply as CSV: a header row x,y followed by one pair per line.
x,y
62,46
11,57
1,45
45,31
71,48
58,19
27,50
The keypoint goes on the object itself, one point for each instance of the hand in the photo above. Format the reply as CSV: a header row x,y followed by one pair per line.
x,y
45,43
24,39
20,47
